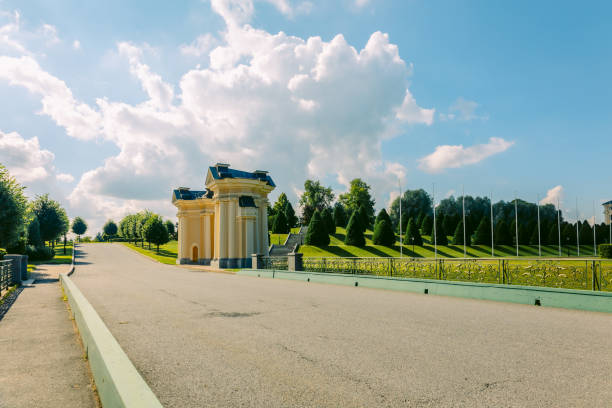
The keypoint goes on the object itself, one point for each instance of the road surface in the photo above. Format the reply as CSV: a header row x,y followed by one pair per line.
x,y
204,339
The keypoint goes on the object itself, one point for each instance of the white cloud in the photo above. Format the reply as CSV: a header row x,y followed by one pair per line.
x,y
455,156
76,44
24,158
65,177
201,46
49,33
463,109
361,3
553,196
297,107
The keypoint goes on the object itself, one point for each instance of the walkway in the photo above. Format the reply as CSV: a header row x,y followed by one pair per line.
x,y
217,340
41,360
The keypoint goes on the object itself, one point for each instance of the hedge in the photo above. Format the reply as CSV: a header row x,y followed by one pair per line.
x,y
605,250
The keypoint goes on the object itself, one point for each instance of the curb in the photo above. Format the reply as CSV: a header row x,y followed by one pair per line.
x,y
528,295
118,382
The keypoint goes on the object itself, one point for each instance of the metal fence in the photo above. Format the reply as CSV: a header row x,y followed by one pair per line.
x,y
6,275
589,274
278,263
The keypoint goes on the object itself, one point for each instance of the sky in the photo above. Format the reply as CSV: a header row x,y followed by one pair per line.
x,y
108,106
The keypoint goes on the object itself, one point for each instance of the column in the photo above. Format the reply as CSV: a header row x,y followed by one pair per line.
x,y
231,222
207,247
239,240
181,237
250,236
264,227
217,234
223,229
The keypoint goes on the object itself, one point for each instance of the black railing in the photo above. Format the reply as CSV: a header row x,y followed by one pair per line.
x,y
6,274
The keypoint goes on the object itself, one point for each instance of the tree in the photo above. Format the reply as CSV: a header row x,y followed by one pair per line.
x,y
383,231
419,219
553,235
292,219
458,236
534,239
34,233
315,197
364,218
328,221
482,236
79,226
502,234
155,231
354,231
339,215
440,238
427,225
413,236
449,224
279,225
13,206
170,228
358,196
317,231
110,229
51,217
413,202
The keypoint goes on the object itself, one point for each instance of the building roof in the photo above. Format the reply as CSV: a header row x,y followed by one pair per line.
x,y
609,202
187,194
221,171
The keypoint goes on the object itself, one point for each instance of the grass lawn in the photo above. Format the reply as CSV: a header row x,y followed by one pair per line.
x,y
167,252
338,249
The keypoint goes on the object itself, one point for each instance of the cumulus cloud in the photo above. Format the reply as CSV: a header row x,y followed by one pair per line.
x,y
24,158
200,46
463,109
455,156
553,196
297,107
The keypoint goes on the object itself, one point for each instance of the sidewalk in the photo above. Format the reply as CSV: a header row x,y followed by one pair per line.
x,y
41,359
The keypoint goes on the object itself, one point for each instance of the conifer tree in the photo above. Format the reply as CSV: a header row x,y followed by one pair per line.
x,y
279,225
441,238
354,231
317,231
339,215
383,231
502,234
586,234
458,236
290,216
553,234
482,236
328,221
364,218
533,240
413,236
427,225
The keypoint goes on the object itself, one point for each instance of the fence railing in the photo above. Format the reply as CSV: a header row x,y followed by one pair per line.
x,y
588,274
6,275
278,263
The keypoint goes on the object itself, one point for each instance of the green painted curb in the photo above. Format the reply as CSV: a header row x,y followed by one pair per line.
x,y
528,295
118,382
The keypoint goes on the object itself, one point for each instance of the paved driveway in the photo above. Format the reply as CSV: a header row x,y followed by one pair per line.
x,y
219,340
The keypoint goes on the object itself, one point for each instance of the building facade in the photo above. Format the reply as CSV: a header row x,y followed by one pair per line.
x,y
608,212
227,222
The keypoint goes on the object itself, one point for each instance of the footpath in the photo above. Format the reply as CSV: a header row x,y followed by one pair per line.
x,y
41,358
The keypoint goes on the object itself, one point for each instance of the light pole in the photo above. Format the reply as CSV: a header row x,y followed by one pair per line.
x,y
412,239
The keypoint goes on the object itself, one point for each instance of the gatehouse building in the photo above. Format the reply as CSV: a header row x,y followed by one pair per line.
x,y
227,222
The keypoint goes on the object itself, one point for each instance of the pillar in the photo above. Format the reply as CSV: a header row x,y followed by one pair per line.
x,y
264,230
223,229
231,223
250,236
217,234
206,251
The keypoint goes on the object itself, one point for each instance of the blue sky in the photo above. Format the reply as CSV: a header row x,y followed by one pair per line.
x,y
125,102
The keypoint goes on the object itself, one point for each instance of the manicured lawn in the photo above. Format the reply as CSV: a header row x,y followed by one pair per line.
x,y
337,248
278,239
167,252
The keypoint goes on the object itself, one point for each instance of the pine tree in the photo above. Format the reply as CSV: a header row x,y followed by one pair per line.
x,y
458,236
339,215
553,235
354,231
420,218
482,236
383,231
449,224
290,216
502,234
524,234
364,219
317,231
586,234
279,226
427,225
328,221
533,240
413,236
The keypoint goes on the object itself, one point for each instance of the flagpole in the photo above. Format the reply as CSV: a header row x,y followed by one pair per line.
x,y
577,234
463,206
492,240
399,183
435,235
559,224
516,223
539,234
594,232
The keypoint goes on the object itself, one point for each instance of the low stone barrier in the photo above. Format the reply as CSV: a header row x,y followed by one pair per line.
x,y
529,295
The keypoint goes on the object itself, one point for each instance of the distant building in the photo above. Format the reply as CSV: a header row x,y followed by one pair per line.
x,y
608,212
227,222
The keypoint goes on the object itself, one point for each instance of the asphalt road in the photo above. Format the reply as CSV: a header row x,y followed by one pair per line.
x,y
209,339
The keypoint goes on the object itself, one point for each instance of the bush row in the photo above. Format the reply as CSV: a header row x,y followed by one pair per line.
x,y
42,253
605,250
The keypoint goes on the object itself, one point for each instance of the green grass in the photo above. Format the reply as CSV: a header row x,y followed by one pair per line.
x,y
338,249
278,239
167,252
60,258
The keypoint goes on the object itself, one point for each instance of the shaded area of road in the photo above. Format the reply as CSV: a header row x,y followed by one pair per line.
x,y
41,360
208,339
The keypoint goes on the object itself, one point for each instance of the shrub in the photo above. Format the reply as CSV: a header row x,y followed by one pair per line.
x,y
354,231
605,250
42,253
339,215
383,234
2,253
328,221
279,224
427,225
18,248
412,237
317,231
482,236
